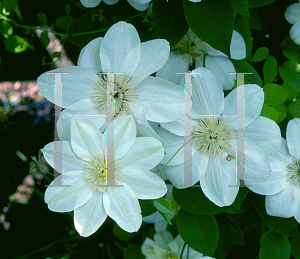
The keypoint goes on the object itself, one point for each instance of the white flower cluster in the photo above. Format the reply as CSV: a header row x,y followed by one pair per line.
x,y
141,99
292,15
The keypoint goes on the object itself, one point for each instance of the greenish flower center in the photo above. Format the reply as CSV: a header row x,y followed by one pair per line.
x,y
123,94
171,256
96,173
293,170
212,136
191,47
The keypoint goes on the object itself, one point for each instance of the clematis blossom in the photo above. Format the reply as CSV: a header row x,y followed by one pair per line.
x,y
85,169
292,15
84,90
282,188
214,140
191,50
140,5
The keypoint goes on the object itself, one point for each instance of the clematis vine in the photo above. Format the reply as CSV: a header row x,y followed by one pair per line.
x,y
214,140
84,90
192,51
292,15
282,188
165,246
85,169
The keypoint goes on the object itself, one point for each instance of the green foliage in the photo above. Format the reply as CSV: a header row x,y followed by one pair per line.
x,y
290,49
199,232
294,108
44,38
292,92
42,18
274,246
241,7
147,207
290,73
241,25
16,44
163,205
206,19
133,251
9,5
270,69
169,21
261,54
282,109
275,94
258,3
6,29
295,246
269,112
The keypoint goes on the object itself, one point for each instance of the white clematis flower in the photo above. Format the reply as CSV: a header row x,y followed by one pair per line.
x,y
165,246
190,50
84,168
282,188
214,140
140,5
292,15
84,91
157,219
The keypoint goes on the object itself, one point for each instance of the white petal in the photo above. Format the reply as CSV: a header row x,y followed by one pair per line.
x,y
90,3
297,215
90,216
221,66
75,86
84,108
69,161
124,135
207,93
142,126
86,139
120,49
264,133
161,100
138,6
181,178
89,56
295,33
292,13
253,98
145,184
282,155
151,218
215,184
163,239
121,204
147,247
237,46
175,64
283,204
293,138
110,2
257,167
145,153
176,127
214,52
154,54
63,199
275,183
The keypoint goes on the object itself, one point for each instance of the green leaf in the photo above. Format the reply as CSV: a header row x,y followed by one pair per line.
x,y
236,205
62,22
194,201
169,21
42,18
294,108
166,217
260,54
163,205
206,20
290,49
274,246
270,69
241,7
258,3
6,29
67,9
257,19
295,245
9,5
44,38
282,109
290,73
288,228
199,232
292,92
147,207
55,54
121,234
242,66
133,251
275,94
16,44
269,112
241,25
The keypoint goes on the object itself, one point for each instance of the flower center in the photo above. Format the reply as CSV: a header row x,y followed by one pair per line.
x,y
212,136
96,173
123,94
171,256
293,170
191,47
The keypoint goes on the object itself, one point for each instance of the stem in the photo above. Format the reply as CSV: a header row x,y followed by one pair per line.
x,y
181,254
